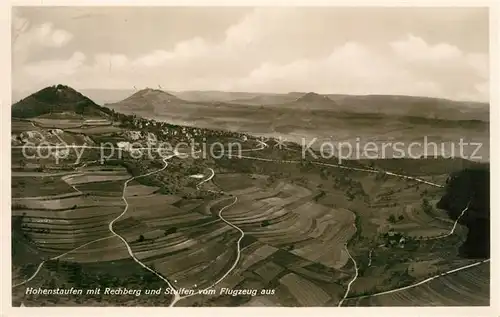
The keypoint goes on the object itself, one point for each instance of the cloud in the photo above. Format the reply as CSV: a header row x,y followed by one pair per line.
x,y
351,69
43,35
52,69
30,40
416,49
461,75
268,51
40,74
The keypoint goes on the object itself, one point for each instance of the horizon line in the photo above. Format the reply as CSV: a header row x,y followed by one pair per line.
x,y
488,102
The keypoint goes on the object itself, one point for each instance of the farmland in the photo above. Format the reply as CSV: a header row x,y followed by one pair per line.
x,y
298,231
467,286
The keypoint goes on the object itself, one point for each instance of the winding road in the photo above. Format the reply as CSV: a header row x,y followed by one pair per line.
x,y
355,270
207,179
423,281
177,297
129,249
57,257
350,256
373,171
238,255
238,243
416,284
452,230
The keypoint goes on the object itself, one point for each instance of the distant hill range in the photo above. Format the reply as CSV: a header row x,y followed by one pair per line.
x,y
425,107
63,98
57,99
412,106
146,100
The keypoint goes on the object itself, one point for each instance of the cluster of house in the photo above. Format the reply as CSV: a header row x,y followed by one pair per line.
x,y
27,136
395,239
181,133
33,136
133,135
149,137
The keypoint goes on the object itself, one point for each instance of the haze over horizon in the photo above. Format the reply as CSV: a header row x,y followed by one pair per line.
x,y
433,52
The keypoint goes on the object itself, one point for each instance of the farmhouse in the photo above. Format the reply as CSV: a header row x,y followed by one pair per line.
x,y
25,136
124,145
134,135
402,242
56,131
394,238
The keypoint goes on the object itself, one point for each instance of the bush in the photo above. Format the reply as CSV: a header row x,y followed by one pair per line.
x,y
170,231
426,206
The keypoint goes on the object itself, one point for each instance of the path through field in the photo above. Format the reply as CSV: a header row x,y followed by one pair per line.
x,y
238,255
177,297
424,281
355,270
129,249
452,230
57,257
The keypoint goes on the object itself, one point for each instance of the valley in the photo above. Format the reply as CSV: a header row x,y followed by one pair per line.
x,y
301,231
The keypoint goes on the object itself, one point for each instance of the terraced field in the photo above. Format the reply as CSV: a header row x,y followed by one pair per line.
x,y
55,224
286,242
378,199
469,287
30,185
307,234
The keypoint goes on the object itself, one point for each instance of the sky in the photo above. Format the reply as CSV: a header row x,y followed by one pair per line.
x,y
435,52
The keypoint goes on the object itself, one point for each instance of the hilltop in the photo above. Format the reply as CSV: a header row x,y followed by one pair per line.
x,y
57,99
292,99
148,100
315,100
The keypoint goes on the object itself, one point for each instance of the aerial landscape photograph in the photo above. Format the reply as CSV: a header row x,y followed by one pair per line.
x,y
250,156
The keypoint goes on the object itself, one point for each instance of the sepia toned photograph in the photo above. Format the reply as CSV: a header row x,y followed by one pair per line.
x,y
183,156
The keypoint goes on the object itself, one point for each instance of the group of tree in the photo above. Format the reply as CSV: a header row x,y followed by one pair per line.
x,y
170,230
265,223
392,219
426,206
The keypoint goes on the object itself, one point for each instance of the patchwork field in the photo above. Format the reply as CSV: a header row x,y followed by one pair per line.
x,y
468,287
298,232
